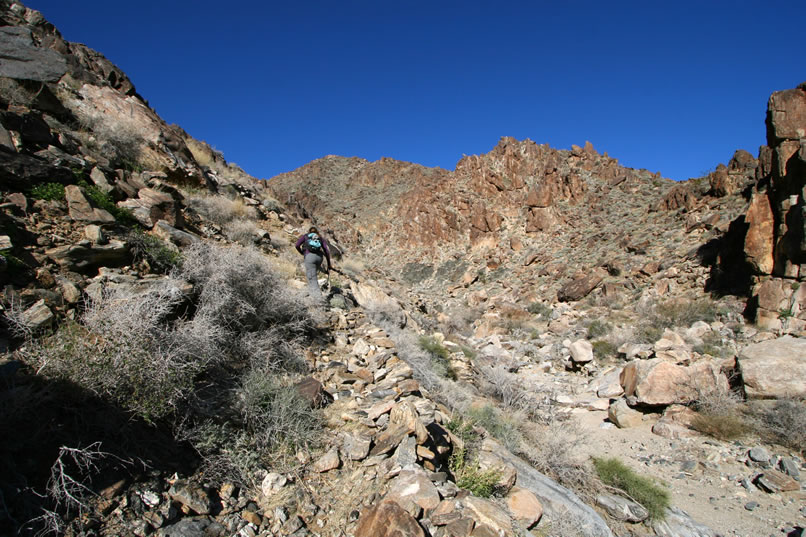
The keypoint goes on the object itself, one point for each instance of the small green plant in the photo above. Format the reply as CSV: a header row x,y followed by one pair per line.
x,y
603,348
468,352
102,200
786,313
48,192
159,255
598,328
641,489
469,476
539,309
440,356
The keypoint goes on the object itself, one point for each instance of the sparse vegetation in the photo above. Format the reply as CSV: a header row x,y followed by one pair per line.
x,y
469,476
641,489
540,310
440,356
220,209
604,349
48,191
161,256
598,328
101,199
784,422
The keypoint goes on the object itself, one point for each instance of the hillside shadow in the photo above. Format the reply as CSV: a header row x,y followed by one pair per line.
x,y
730,272
39,416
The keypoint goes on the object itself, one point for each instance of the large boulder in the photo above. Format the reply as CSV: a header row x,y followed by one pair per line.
x,y
581,286
661,382
786,116
774,368
23,60
80,257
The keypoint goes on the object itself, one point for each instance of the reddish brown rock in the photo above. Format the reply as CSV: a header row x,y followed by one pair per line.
x,y
786,116
679,196
581,286
759,241
387,519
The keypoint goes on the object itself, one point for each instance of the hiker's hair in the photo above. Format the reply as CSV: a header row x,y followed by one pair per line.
x,y
313,230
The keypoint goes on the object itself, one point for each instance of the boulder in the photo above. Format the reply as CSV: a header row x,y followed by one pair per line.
x,y
387,519
373,298
624,416
774,369
786,116
151,206
581,286
487,513
524,506
38,316
166,231
581,351
622,508
675,422
80,258
759,240
80,209
660,382
23,60
328,461
413,487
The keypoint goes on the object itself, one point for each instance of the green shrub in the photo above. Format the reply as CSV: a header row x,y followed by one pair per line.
x,y
469,476
48,191
643,490
539,309
440,356
501,426
603,348
598,328
102,200
722,426
160,255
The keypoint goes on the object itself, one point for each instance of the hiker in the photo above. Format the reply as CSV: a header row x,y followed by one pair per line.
x,y
312,245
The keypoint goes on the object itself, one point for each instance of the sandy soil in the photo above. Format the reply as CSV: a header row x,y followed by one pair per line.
x,y
702,474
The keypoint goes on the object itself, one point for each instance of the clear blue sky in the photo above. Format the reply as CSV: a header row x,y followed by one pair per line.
x,y
672,86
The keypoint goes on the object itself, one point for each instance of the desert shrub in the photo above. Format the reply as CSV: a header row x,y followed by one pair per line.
x,y
48,191
502,426
220,209
711,344
161,256
720,415
102,200
271,423
468,352
506,387
598,328
603,348
469,476
641,489
785,423
244,232
552,449
539,309
440,356
648,333
130,347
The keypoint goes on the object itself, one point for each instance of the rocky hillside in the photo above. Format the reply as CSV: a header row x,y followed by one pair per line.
x,y
539,342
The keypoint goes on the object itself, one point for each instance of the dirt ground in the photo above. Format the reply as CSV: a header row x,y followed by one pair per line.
x,y
703,475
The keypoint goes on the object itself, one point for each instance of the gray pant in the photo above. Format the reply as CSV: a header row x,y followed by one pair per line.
x,y
313,264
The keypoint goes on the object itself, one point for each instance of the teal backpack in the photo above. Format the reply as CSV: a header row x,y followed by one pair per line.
x,y
314,243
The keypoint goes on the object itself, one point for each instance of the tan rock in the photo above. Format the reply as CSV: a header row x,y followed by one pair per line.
x,y
387,519
413,486
774,368
328,461
624,416
486,513
660,382
524,506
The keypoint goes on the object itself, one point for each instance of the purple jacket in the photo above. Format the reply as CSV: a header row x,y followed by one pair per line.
x,y
302,246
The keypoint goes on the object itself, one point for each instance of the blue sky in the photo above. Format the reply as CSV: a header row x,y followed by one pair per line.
x,y
673,87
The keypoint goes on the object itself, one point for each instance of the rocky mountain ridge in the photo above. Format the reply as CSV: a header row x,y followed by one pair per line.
x,y
479,317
